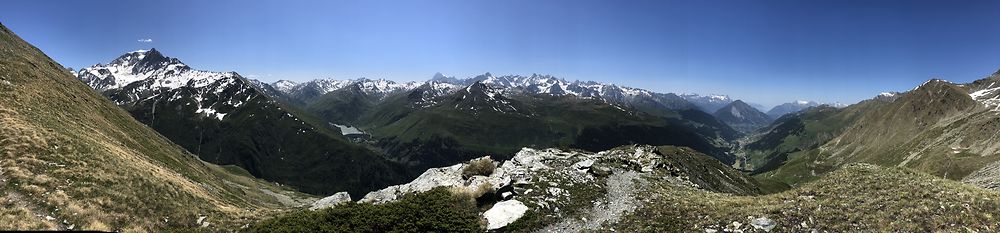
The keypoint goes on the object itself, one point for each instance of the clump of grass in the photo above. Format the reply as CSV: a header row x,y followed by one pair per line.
x,y
473,193
479,167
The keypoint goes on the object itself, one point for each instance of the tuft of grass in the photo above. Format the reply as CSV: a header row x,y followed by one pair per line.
x,y
479,167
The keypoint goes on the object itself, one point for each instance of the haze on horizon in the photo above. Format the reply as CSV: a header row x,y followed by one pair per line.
x,y
762,52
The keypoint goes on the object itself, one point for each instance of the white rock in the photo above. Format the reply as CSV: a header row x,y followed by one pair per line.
x,y
450,176
430,179
503,213
331,201
763,223
201,221
583,165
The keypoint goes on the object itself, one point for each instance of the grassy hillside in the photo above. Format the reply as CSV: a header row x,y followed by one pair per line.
x,y
936,128
273,141
72,159
450,131
855,198
792,135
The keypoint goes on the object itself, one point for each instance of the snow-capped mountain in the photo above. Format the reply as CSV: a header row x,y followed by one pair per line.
x,y
224,119
383,86
150,68
284,85
311,90
479,97
506,85
546,84
431,92
708,103
141,74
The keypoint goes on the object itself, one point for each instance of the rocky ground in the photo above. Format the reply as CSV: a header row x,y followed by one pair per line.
x,y
671,189
620,199
552,190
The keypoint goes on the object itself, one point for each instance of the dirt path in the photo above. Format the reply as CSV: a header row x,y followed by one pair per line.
x,y
619,200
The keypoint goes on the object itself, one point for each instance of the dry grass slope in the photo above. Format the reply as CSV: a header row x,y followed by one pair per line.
x,y
855,198
70,159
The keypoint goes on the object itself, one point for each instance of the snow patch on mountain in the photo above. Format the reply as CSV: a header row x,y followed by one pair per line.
x,y
284,85
479,96
989,96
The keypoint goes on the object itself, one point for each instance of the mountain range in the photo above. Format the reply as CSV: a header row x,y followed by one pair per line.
x,y
147,143
446,120
224,119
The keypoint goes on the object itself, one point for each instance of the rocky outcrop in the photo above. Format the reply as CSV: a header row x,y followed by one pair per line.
x,y
987,177
566,186
450,176
331,201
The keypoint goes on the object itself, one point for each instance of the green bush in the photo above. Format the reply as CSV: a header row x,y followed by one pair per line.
x,y
437,210
481,167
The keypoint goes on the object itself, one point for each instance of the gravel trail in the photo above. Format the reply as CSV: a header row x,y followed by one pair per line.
x,y
619,200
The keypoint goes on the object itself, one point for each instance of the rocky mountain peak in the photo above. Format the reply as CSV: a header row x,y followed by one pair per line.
x,y
743,117
438,75
129,58
154,60
479,96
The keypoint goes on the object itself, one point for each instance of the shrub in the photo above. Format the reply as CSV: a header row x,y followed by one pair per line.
x,y
480,167
437,210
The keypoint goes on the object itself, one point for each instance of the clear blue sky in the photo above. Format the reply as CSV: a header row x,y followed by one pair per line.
x,y
766,52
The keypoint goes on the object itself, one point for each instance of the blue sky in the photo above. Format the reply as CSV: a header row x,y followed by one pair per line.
x,y
766,52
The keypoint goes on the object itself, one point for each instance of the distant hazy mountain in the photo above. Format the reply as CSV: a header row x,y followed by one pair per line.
x,y
792,107
741,116
708,103
224,119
